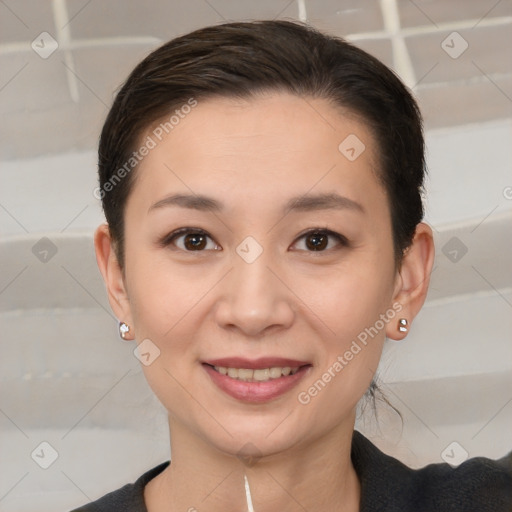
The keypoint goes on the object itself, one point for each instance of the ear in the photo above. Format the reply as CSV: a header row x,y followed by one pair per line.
x,y
112,275
413,279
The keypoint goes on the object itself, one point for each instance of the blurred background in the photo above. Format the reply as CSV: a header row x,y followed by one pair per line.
x,y
76,417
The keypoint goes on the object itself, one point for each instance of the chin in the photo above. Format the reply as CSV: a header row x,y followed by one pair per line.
x,y
256,434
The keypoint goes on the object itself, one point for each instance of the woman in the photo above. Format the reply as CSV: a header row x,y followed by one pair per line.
x,y
262,188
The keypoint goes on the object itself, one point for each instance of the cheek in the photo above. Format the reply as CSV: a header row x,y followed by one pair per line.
x,y
161,295
161,313
165,304
352,299
355,308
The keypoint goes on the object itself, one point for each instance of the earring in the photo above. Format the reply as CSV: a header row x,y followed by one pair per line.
x,y
402,325
123,330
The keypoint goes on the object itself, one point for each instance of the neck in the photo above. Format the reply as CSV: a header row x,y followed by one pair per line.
x,y
315,477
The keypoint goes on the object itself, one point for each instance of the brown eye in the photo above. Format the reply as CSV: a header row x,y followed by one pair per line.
x,y
190,240
194,242
321,240
317,241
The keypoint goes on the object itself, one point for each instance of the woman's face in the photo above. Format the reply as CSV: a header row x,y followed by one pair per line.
x,y
244,287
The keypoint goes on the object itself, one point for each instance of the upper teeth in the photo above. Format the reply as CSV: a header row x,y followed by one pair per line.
x,y
260,375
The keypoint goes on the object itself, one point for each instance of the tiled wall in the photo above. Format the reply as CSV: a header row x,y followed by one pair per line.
x,y
57,104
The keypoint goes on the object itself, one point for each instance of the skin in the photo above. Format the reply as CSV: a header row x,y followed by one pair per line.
x,y
253,156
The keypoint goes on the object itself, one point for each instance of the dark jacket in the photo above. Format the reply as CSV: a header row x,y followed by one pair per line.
x,y
387,485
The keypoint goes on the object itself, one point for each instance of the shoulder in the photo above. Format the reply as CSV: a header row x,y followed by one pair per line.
x,y
477,484
387,484
129,498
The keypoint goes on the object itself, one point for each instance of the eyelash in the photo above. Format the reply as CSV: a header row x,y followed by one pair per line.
x,y
171,237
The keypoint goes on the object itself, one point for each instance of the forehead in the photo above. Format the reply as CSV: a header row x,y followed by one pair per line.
x,y
272,145
272,122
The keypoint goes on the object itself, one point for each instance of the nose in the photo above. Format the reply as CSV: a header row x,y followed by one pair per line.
x,y
254,299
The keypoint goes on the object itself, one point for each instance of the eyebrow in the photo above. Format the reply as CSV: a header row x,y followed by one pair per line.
x,y
328,201
195,202
303,203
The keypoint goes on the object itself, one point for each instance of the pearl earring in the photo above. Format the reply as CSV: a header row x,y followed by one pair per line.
x,y
402,325
123,330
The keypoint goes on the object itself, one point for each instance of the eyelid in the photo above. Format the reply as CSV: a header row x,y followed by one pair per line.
x,y
171,237
342,240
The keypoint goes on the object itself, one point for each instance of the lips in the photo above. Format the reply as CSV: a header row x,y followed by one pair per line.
x,y
255,364
256,380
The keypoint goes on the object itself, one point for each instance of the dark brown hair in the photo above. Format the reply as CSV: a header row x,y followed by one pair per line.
x,y
242,59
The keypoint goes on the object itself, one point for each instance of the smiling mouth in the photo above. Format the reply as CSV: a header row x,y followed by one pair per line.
x,y
257,375
264,382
